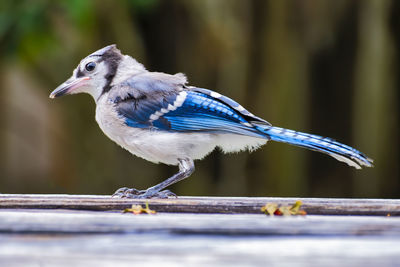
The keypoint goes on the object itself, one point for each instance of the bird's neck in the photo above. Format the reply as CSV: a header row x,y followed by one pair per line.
x,y
127,68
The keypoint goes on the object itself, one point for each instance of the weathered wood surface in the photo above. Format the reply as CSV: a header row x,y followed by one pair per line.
x,y
188,250
85,222
65,230
90,238
317,206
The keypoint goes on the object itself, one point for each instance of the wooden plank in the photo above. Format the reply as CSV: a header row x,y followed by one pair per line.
x,y
194,250
317,206
65,230
84,222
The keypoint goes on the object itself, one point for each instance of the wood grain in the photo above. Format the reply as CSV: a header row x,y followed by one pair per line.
x,y
90,222
224,205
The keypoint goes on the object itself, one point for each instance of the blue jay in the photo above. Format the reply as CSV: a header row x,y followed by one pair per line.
x,y
160,118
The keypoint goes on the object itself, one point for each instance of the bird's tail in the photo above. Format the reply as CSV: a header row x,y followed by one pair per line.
x,y
325,145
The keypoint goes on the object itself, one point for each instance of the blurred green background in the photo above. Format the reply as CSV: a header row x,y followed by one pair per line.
x,y
324,67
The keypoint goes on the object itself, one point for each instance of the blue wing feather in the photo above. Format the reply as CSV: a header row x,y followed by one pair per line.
x,y
233,104
198,112
201,112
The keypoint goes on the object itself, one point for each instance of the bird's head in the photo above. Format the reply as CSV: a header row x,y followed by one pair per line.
x,y
96,73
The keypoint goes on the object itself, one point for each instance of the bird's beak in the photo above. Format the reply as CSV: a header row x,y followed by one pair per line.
x,y
68,86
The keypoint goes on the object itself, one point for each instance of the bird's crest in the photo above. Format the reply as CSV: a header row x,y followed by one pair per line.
x,y
110,49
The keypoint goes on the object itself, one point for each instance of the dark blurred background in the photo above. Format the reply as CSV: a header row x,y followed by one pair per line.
x,y
324,67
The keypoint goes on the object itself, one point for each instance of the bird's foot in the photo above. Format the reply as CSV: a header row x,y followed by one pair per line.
x,y
126,192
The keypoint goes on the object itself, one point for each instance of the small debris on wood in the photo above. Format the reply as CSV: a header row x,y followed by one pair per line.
x,y
138,209
274,209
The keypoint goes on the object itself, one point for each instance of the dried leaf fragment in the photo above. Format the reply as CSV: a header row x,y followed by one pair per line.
x,y
270,208
274,209
138,209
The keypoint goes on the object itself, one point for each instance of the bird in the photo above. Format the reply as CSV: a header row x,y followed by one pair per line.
x,y
161,118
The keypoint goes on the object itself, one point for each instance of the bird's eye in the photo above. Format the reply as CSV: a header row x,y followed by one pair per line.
x,y
90,66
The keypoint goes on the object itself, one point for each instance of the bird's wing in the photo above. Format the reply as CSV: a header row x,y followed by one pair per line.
x,y
148,84
233,104
166,105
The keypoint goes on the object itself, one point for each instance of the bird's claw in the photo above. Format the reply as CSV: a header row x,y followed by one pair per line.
x,y
126,192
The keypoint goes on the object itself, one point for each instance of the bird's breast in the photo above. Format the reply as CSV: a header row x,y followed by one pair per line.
x,y
113,125
140,142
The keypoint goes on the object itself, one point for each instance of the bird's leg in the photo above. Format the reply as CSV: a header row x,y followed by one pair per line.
x,y
186,168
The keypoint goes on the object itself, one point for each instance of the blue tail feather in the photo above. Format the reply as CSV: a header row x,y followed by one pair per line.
x,y
325,145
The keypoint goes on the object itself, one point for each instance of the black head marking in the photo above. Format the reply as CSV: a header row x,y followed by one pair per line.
x,y
111,57
79,73
98,54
